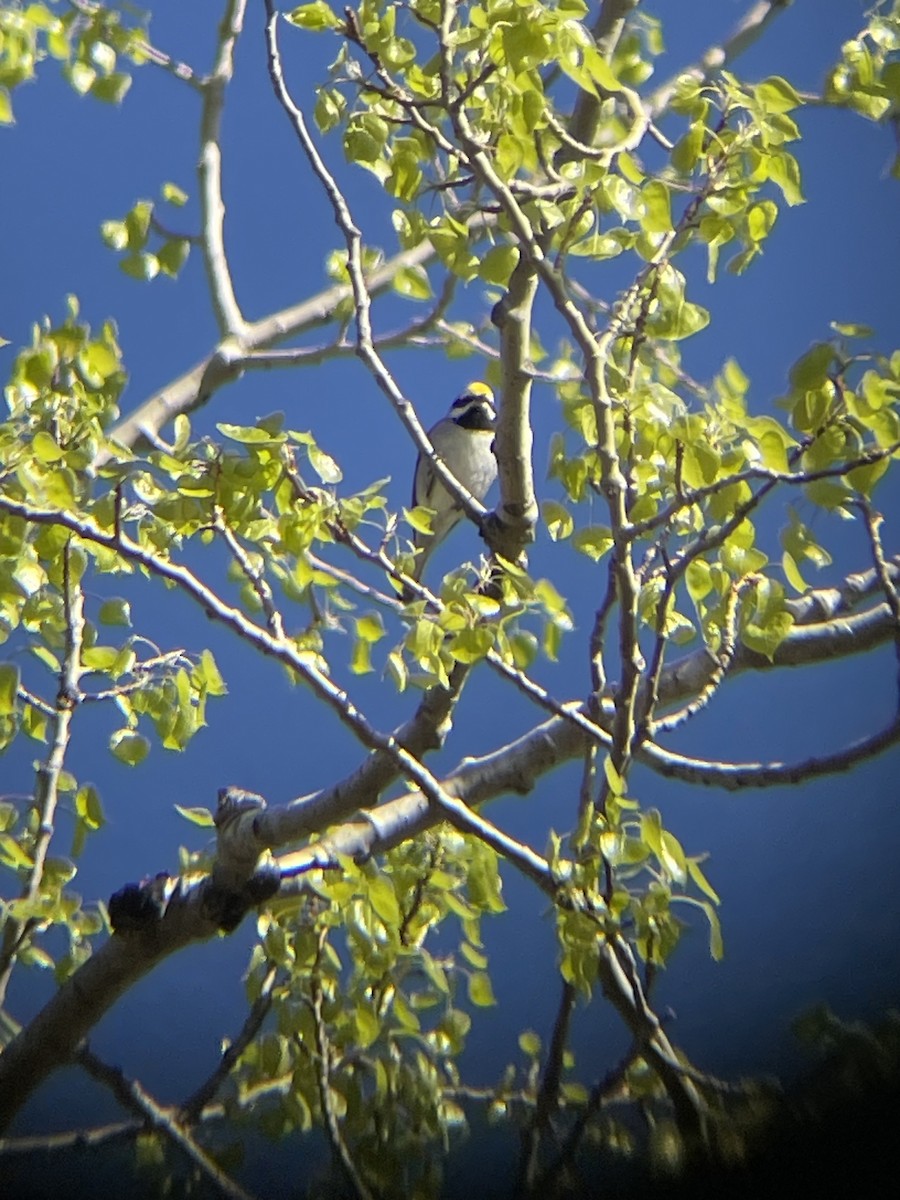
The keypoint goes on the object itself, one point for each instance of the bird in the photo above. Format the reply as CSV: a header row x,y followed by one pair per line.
x,y
464,441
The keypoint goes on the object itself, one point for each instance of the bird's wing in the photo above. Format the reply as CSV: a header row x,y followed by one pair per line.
x,y
424,482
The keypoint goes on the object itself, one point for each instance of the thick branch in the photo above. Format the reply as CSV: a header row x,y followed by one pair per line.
x,y
52,1037
517,510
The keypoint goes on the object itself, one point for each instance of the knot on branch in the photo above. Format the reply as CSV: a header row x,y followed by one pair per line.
x,y
225,364
227,907
509,530
137,906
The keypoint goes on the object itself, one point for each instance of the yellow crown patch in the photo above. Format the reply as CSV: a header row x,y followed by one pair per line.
x,y
477,388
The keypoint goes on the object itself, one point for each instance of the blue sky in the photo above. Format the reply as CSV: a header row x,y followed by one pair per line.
x,y
808,877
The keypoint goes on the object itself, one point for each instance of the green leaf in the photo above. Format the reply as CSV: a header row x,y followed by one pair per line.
x,y
114,234
672,857
197,816
45,447
12,855
594,541
471,645
530,1043
324,465
172,255
111,89
852,330
367,1025
792,572
413,283
497,265
783,169
208,677
693,866
657,207
9,688
370,628
383,899
766,637
557,519
88,806
776,95
863,479
716,944
129,747
473,957
99,658
686,152
115,611
613,778
481,993
316,17
173,194
249,435
361,658
812,369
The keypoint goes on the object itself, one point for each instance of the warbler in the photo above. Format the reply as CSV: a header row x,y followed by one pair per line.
x,y
464,440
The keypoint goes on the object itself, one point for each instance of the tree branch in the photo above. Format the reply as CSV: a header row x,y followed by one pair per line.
x,y
226,361
735,776
212,206
46,795
747,31
473,509
517,510
137,1100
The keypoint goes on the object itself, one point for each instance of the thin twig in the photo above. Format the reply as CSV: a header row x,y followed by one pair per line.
x,y
323,1075
194,1106
136,1099
46,792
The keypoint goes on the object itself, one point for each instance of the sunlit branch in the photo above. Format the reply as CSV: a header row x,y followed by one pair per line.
x,y
874,522
252,572
717,57
46,790
36,702
415,334
72,1139
736,776
795,478
724,658
361,296
223,365
823,604
517,510
282,648
137,1100
607,30
650,697
147,50
212,206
